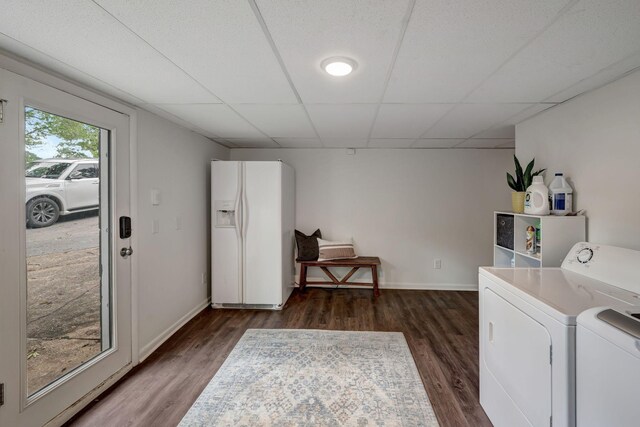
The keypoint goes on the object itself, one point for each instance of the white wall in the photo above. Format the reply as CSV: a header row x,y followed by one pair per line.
x,y
595,140
176,162
406,206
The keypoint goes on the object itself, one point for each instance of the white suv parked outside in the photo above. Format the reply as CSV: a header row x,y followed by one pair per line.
x,y
58,187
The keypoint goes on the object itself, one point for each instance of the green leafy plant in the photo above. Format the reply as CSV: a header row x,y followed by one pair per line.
x,y
523,179
74,139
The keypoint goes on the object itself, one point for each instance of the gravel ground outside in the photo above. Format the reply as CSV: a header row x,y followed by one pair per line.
x,y
63,305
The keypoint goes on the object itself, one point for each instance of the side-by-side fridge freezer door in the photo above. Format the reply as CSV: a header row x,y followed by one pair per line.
x,y
226,222
262,233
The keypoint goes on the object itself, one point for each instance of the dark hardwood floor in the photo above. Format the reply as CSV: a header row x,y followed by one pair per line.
x,y
441,328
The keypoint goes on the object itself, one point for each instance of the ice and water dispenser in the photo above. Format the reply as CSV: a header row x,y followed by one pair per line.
x,y
225,213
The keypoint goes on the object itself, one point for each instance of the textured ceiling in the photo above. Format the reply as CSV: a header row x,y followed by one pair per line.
x,y
246,73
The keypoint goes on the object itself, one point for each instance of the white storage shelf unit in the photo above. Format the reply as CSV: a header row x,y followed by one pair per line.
x,y
557,234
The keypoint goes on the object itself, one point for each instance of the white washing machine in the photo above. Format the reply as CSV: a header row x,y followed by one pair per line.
x,y
528,330
608,368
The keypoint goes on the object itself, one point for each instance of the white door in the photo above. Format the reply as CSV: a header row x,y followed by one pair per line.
x,y
226,256
517,353
65,294
262,231
82,187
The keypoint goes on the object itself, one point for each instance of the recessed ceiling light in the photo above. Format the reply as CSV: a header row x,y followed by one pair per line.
x,y
339,66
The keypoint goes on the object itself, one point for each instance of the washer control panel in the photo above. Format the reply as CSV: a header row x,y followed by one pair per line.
x,y
582,254
609,264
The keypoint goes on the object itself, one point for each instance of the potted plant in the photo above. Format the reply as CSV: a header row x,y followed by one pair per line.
x,y
520,183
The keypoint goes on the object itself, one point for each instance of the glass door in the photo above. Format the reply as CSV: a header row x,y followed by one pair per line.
x,y
65,306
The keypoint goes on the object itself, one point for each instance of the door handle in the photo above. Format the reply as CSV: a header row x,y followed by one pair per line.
x,y
125,252
491,332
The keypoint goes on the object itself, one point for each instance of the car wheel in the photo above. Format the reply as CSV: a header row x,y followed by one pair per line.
x,y
42,212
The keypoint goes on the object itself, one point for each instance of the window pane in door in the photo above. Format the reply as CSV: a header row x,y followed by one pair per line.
x,y
68,287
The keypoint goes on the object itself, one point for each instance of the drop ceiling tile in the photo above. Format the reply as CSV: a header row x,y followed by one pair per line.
x,y
466,120
66,71
184,123
510,144
452,45
220,43
342,121
299,142
223,142
218,119
407,120
507,128
253,142
500,131
599,79
391,142
437,142
309,31
84,36
529,112
344,142
484,143
287,121
591,36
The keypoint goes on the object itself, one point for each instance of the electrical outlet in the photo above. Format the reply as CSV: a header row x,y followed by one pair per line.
x,y
437,264
155,226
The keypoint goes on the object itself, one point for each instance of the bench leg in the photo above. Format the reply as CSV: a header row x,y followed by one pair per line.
x,y
374,276
303,277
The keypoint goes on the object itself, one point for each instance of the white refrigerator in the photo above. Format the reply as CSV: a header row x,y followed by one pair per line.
x,y
252,227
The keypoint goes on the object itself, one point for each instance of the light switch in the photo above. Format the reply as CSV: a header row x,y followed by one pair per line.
x,y
178,223
155,197
155,226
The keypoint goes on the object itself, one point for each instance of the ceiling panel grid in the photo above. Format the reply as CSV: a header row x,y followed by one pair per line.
x,y
430,73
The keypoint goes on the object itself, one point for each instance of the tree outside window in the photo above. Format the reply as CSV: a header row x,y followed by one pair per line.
x,y
73,139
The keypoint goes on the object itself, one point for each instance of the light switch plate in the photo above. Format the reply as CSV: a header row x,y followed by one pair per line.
x,y
155,226
155,197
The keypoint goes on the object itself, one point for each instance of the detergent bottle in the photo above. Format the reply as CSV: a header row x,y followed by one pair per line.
x,y
536,201
560,196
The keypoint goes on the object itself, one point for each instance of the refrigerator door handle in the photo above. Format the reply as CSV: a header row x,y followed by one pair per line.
x,y
238,218
237,213
243,232
245,211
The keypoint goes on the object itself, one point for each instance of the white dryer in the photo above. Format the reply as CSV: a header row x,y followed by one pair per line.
x,y
528,331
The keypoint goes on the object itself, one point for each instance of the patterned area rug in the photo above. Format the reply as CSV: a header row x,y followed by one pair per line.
x,y
276,377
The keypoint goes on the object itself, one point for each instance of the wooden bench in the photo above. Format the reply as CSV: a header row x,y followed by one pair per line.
x,y
371,262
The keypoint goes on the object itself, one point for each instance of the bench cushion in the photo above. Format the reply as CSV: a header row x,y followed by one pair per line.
x,y
360,261
335,250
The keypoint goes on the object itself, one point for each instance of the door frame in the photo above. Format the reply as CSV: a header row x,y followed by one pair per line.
x,y
18,66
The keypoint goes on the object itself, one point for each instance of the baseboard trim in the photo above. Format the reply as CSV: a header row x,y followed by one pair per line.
x,y
160,339
406,286
431,286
